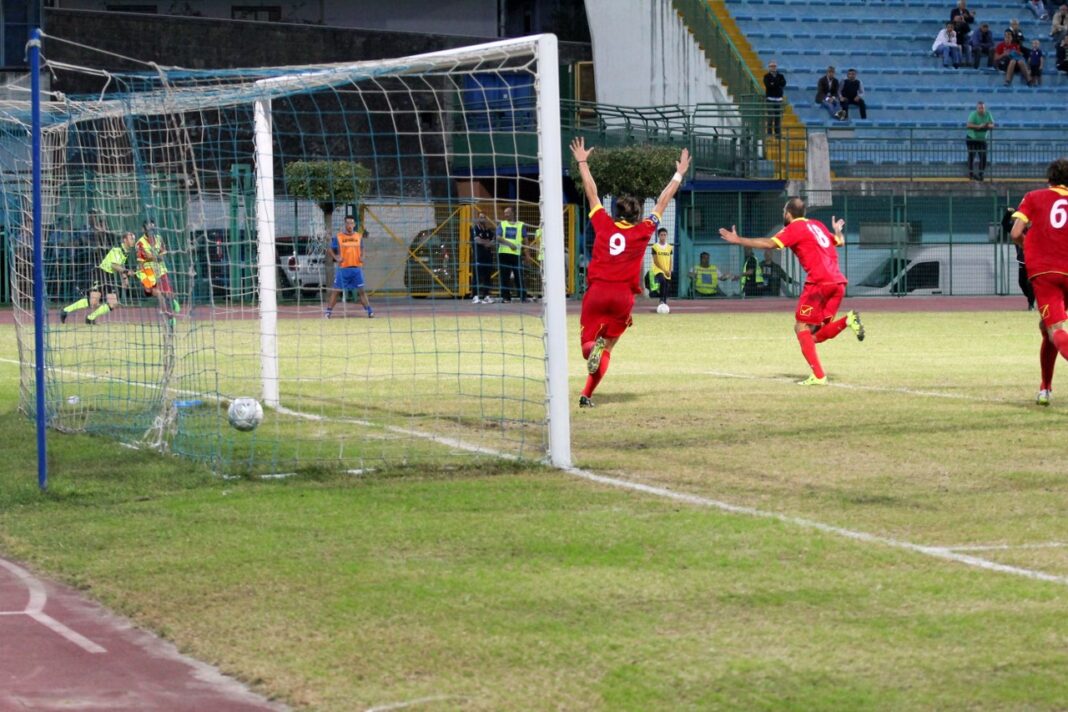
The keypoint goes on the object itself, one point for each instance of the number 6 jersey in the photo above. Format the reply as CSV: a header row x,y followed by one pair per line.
x,y
1046,242
814,246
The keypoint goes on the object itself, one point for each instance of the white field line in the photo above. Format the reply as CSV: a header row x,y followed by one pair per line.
x,y
35,609
855,387
1008,547
411,703
938,552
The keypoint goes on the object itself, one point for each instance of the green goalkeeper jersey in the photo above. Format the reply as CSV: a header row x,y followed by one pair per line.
x,y
117,255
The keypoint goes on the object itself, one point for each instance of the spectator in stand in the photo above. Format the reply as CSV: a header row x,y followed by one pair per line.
x,y
946,47
1059,27
1017,33
853,94
1008,57
774,83
1036,60
1038,8
829,95
979,124
1062,55
963,19
982,41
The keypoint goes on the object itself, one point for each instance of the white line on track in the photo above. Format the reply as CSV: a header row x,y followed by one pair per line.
x,y
938,552
35,609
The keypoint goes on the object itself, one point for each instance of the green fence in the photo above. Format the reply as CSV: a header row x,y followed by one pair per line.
x,y
907,243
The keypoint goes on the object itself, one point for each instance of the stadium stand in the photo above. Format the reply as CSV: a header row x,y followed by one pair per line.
x,y
916,108
889,43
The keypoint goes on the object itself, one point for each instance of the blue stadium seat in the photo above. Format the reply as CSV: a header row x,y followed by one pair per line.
x,y
889,43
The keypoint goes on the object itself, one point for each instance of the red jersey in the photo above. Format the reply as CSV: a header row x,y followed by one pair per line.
x,y
1046,242
815,248
619,249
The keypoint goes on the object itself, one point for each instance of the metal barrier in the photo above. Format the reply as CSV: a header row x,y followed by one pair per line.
x,y
908,243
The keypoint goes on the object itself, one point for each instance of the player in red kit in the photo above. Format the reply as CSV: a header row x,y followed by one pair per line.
x,y
614,273
1045,248
816,250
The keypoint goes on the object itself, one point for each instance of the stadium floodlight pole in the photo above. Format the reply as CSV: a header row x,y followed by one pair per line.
x,y
264,148
39,310
552,215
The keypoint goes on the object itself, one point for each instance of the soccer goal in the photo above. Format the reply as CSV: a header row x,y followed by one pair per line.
x,y
233,184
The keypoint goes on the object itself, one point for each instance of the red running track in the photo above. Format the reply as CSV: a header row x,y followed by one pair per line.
x,y
59,651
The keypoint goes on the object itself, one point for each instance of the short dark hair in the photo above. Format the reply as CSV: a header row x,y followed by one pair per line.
x,y
1057,173
795,207
350,217
850,70
705,254
662,230
628,208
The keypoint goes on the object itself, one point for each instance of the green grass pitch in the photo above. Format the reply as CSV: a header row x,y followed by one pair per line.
x,y
492,586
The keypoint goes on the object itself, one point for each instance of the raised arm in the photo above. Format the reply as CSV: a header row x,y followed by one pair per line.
x,y
757,243
582,154
681,166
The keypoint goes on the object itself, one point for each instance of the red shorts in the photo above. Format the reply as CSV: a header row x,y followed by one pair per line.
x,y
1051,291
606,310
819,302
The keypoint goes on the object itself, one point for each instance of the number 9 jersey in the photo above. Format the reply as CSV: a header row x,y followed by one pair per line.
x,y
1046,241
619,249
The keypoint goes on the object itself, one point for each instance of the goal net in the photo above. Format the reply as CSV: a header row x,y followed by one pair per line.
x,y
188,223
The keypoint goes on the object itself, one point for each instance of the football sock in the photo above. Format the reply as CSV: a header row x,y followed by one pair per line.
x,y
1060,340
593,380
1047,359
830,330
808,350
82,303
102,309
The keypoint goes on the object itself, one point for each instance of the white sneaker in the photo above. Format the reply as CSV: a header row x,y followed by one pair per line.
x,y
475,300
487,300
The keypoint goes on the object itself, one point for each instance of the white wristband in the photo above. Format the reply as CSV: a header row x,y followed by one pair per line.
x,y
677,177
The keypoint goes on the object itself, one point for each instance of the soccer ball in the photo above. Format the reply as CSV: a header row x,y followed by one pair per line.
x,y
663,309
245,414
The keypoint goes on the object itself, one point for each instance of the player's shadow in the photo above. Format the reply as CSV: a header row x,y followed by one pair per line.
x,y
614,398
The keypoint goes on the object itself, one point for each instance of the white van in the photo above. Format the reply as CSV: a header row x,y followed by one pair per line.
x,y
973,269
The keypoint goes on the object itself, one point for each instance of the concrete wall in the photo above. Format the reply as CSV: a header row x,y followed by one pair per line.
x,y
460,17
644,56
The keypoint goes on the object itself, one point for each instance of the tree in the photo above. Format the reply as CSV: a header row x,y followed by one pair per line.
x,y
641,171
328,183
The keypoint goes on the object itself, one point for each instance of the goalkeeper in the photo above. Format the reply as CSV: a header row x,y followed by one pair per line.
x,y
153,273
110,276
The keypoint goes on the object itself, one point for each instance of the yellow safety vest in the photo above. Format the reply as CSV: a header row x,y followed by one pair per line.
x,y
662,259
706,280
512,234
758,274
148,262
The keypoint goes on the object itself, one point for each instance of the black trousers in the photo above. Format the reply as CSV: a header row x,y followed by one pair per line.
x,y
663,285
976,154
859,103
510,269
484,264
1026,288
774,109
